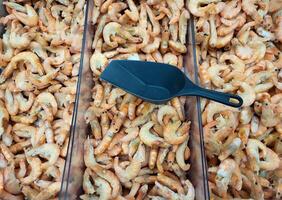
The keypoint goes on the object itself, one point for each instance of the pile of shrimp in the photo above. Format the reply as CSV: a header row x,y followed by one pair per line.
x,y
39,58
239,45
135,149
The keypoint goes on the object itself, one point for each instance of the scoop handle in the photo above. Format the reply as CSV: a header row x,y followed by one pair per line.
x,y
224,98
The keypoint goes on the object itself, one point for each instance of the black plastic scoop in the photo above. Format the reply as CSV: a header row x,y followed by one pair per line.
x,y
158,83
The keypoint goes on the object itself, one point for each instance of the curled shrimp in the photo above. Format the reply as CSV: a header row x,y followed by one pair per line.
x,y
214,72
180,155
170,58
114,9
47,99
133,13
29,19
230,148
111,29
167,111
89,158
196,9
36,170
86,184
250,9
165,191
269,117
177,46
231,9
148,138
9,156
174,133
99,30
6,50
18,40
132,170
47,151
150,48
132,133
271,159
51,191
226,170
248,94
224,30
23,56
103,188
98,62
25,104
171,183
25,131
8,196
110,177
12,184
175,11
23,83
214,108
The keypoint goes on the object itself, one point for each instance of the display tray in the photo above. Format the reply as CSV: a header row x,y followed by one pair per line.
x,y
3,13
74,169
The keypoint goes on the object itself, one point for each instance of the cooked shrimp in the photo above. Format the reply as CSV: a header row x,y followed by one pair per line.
x,y
47,151
165,191
271,160
114,10
173,29
9,156
18,40
148,138
230,148
248,94
103,188
36,170
8,196
155,23
174,134
180,158
133,168
171,183
87,185
25,104
224,30
196,9
133,13
4,118
170,58
29,19
214,72
250,9
150,48
231,9
183,21
23,56
178,47
174,10
110,177
12,184
105,5
226,170
167,111
51,191
99,30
